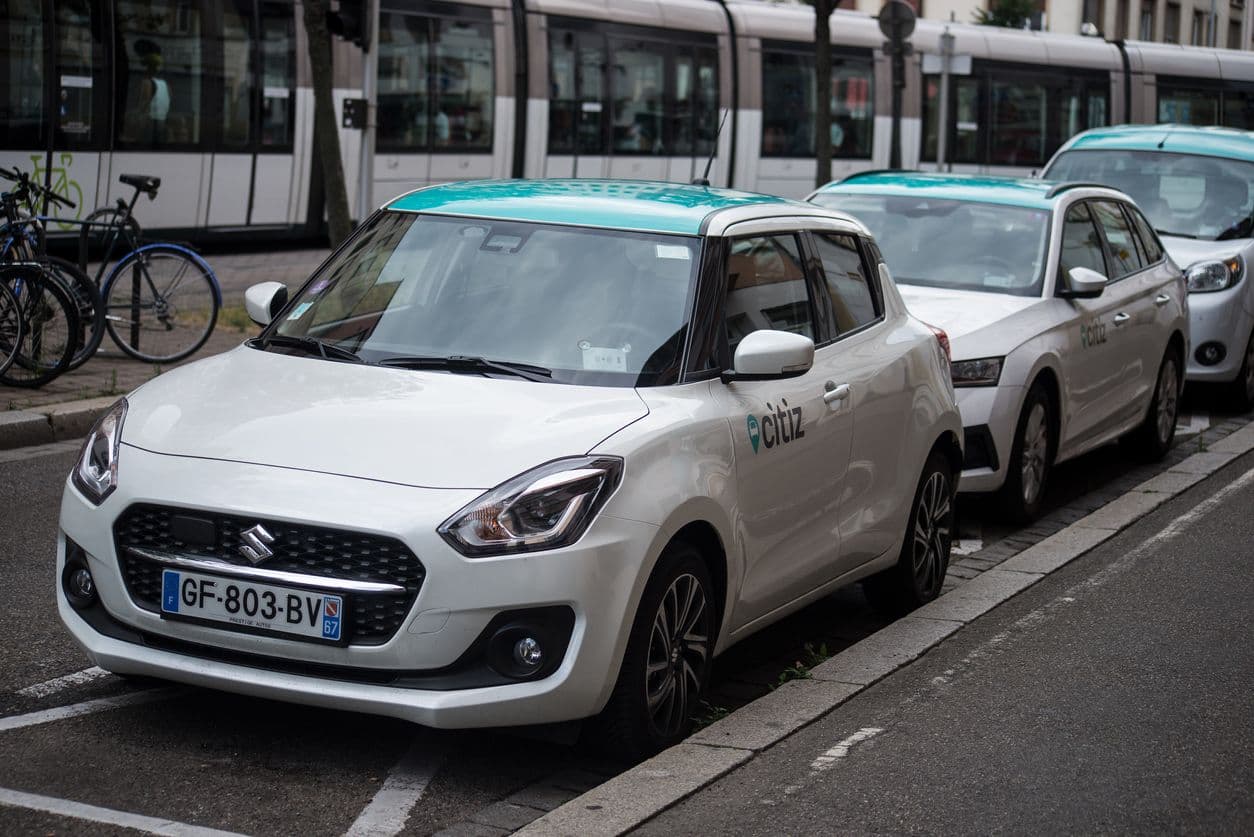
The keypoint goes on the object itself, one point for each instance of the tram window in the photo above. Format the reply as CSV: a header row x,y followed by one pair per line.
x,y
591,85
965,120
788,105
1188,106
707,115
1239,109
278,75
1018,135
639,79
462,117
82,100
21,75
563,104
683,94
403,81
160,74
237,76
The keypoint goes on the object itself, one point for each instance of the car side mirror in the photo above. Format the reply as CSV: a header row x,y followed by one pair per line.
x,y
264,301
1083,283
767,354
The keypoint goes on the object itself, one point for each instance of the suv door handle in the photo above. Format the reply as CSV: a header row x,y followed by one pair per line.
x,y
1161,300
1121,318
835,392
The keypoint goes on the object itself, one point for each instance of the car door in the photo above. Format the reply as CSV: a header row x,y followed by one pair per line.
x,y
1161,302
791,435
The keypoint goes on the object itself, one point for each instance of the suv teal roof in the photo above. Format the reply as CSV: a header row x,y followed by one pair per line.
x,y
1007,191
613,204
1210,141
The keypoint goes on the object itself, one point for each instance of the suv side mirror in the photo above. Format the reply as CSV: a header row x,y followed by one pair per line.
x,y
767,354
264,301
1083,283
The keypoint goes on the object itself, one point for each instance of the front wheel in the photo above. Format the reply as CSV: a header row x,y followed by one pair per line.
x,y
1241,391
161,303
667,663
919,573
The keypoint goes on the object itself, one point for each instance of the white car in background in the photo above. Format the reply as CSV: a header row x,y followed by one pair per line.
x,y
1067,322
1196,187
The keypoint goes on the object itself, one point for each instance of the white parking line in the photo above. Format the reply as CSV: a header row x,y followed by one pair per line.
x,y
106,816
1195,425
87,707
388,811
827,759
57,684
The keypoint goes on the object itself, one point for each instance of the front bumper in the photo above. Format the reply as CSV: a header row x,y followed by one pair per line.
x,y
989,414
1225,318
597,579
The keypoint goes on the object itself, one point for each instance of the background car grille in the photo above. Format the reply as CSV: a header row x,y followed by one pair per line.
x,y
331,553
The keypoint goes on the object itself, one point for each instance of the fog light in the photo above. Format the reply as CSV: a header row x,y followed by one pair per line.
x,y
81,584
76,580
1208,354
527,652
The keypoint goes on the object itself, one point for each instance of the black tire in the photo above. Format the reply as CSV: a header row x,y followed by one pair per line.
x,y
1152,439
651,708
100,225
1031,457
1241,391
919,573
50,327
161,303
11,327
89,304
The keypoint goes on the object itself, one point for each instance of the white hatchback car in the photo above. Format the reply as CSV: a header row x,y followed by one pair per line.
x,y
523,452
1069,324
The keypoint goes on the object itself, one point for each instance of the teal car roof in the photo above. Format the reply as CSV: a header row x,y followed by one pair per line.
x,y
1008,191
1209,141
644,206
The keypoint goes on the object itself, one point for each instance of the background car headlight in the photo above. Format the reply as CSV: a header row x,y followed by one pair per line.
x,y
976,373
1210,276
96,472
545,508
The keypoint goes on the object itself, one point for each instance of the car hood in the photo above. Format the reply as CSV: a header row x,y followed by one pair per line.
x,y
961,313
1188,251
426,429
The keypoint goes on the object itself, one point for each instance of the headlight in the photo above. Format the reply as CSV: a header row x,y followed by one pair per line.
x,y
96,472
545,508
976,373
1210,276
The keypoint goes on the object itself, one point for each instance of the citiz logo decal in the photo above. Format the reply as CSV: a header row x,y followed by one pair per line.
x,y
1092,334
778,427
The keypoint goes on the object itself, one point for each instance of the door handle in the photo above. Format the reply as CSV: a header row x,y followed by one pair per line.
x,y
835,392
1121,318
1161,300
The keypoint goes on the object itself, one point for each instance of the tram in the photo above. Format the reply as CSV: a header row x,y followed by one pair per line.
x,y
214,97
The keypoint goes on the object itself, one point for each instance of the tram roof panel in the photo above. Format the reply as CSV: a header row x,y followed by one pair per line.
x,y
645,206
1207,140
978,188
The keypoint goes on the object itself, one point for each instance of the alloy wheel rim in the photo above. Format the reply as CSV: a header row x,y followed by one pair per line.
x,y
1249,369
1035,450
932,533
1168,392
678,654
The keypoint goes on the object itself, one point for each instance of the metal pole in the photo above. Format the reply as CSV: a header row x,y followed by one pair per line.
x,y
942,123
369,86
899,81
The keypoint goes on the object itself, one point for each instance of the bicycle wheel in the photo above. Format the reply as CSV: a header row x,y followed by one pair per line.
x,y
100,224
90,306
11,328
49,324
161,303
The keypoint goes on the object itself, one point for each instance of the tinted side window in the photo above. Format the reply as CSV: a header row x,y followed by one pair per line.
x,y
1124,256
1149,240
766,288
1081,246
847,281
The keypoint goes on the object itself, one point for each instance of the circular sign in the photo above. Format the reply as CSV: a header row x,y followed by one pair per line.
x,y
896,19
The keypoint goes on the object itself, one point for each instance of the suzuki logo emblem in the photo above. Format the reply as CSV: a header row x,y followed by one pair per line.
x,y
256,544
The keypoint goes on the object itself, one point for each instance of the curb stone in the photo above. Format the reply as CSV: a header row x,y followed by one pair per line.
x,y
646,790
53,423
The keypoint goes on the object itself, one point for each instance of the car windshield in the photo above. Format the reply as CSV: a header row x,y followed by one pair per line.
x,y
1181,194
588,306
957,244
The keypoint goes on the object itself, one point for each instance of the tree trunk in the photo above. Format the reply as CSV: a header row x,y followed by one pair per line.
x,y
823,90
339,223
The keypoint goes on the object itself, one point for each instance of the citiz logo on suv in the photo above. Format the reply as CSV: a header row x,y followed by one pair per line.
x,y
778,427
1092,334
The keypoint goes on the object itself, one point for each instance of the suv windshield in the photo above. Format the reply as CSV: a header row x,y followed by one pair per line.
x,y
1182,194
964,245
588,306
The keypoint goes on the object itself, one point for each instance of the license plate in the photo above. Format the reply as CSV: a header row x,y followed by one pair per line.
x,y
252,606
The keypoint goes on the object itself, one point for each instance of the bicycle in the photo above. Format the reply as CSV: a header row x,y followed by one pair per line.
x,y
161,300
12,327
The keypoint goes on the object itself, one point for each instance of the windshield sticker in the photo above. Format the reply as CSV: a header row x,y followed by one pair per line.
x,y
780,426
603,358
299,310
673,251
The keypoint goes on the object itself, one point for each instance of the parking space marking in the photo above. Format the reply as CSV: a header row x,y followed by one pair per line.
x,y
57,684
389,810
830,757
87,707
105,816
1197,423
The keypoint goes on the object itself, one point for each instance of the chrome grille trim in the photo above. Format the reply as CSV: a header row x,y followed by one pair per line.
x,y
339,585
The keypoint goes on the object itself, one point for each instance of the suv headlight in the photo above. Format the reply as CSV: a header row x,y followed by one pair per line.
x,y
545,508
984,372
96,472
1215,275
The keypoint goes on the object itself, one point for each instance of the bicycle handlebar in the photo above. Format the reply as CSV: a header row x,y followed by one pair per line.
x,y
27,185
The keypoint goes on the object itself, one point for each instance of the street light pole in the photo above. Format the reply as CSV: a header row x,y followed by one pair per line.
x,y
942,122
369,89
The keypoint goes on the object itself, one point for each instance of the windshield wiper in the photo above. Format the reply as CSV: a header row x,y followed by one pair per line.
x,y
473,365
313,346
1174,234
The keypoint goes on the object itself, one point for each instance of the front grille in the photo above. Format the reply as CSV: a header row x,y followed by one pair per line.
x,y
312,550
